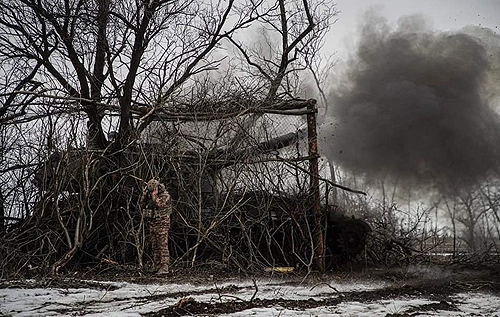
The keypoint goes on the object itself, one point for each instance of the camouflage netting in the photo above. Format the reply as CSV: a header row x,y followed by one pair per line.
x,y
240,190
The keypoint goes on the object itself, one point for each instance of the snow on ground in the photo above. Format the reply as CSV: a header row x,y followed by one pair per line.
x,y
474,304
129,299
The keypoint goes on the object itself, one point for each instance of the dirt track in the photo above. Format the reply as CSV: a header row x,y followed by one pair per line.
x,y
434,284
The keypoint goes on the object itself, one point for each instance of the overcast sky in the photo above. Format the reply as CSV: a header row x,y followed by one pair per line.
x,y
444,15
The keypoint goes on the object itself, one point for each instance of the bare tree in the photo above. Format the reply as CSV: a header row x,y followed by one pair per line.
x,y
467,208
74,70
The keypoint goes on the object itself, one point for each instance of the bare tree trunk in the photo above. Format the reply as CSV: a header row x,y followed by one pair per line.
x,y
2,214
64,260
454,238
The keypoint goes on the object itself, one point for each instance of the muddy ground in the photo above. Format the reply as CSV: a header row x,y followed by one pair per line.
x,y
430,290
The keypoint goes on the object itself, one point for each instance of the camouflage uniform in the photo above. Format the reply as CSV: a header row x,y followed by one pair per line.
x,y
157,206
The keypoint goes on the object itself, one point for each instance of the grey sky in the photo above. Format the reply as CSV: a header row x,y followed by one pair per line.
x,y
443,14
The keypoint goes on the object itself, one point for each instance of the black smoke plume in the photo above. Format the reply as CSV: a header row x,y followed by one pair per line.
x,y
417,105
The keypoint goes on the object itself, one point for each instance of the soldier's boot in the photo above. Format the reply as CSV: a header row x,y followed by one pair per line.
x,y
163,269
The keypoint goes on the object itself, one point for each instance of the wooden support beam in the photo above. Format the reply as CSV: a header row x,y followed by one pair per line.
x,y
318,243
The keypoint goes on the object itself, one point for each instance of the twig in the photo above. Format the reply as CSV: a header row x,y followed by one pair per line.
x,y
256,290
232,296
106,292
324,283
218,292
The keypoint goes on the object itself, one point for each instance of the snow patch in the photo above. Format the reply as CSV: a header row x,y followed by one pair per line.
x,y
130,299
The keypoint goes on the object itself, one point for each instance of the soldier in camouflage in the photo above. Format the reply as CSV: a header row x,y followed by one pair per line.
x,y
157,206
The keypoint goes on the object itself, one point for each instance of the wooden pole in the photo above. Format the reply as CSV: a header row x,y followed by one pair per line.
x,y
312,137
